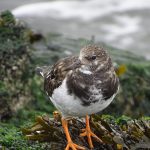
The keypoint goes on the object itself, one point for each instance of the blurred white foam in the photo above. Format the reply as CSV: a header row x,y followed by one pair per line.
x,y
85,10
124,25
121,23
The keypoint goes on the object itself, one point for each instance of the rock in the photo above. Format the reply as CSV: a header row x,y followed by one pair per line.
x,y
15,65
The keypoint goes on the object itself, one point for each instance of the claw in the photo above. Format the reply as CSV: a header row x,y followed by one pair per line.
x,y
73,146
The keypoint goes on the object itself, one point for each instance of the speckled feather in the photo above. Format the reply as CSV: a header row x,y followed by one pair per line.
x,y
56,74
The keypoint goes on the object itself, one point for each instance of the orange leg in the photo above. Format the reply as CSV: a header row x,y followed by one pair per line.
x,y
70,143
87,132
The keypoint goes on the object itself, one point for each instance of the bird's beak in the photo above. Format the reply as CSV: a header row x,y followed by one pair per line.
x,y
75,65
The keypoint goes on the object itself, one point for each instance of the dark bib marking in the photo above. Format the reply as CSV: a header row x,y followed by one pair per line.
x,y
79,85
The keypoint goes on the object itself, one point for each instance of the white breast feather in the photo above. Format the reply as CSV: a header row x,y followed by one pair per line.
x,y
85,70
71,106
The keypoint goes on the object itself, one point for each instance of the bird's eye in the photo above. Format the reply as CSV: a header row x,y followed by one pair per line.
x,y
93,57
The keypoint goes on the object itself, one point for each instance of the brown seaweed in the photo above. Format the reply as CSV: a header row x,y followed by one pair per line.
x,y
130,134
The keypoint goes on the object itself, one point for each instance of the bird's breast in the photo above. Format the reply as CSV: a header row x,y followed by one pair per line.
x,y
71,105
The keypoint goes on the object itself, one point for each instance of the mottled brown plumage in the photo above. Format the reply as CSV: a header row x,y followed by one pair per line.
x,y
78,83
56,74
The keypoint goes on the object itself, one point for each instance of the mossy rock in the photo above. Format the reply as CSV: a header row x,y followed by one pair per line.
x,y
15,64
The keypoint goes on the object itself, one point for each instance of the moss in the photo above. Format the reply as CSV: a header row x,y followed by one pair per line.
x,y
11,137
123,120
17,68
10,131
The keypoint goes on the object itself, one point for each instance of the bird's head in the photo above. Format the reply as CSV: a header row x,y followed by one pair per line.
x,y
92,55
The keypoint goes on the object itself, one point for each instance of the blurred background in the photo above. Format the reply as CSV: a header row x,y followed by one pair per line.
x,y
122,24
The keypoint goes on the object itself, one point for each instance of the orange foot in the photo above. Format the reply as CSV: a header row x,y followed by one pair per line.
x,y
73,146
70,144
87,132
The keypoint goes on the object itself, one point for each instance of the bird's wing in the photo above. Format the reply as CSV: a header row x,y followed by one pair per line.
x,y
54,76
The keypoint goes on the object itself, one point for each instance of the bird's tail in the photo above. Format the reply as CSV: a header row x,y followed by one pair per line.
x,y
39,71
42,70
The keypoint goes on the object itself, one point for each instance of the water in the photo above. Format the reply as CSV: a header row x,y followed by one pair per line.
x,y
122,24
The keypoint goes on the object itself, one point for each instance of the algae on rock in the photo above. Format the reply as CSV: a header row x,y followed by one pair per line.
x,y
122,132
15,64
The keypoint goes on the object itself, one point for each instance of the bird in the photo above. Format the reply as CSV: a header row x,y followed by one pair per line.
x,y
80,86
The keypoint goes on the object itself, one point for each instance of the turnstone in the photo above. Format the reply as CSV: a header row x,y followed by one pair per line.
x,y
81,85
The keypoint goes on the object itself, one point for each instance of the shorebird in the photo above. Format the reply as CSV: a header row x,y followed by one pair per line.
x,y
81,85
